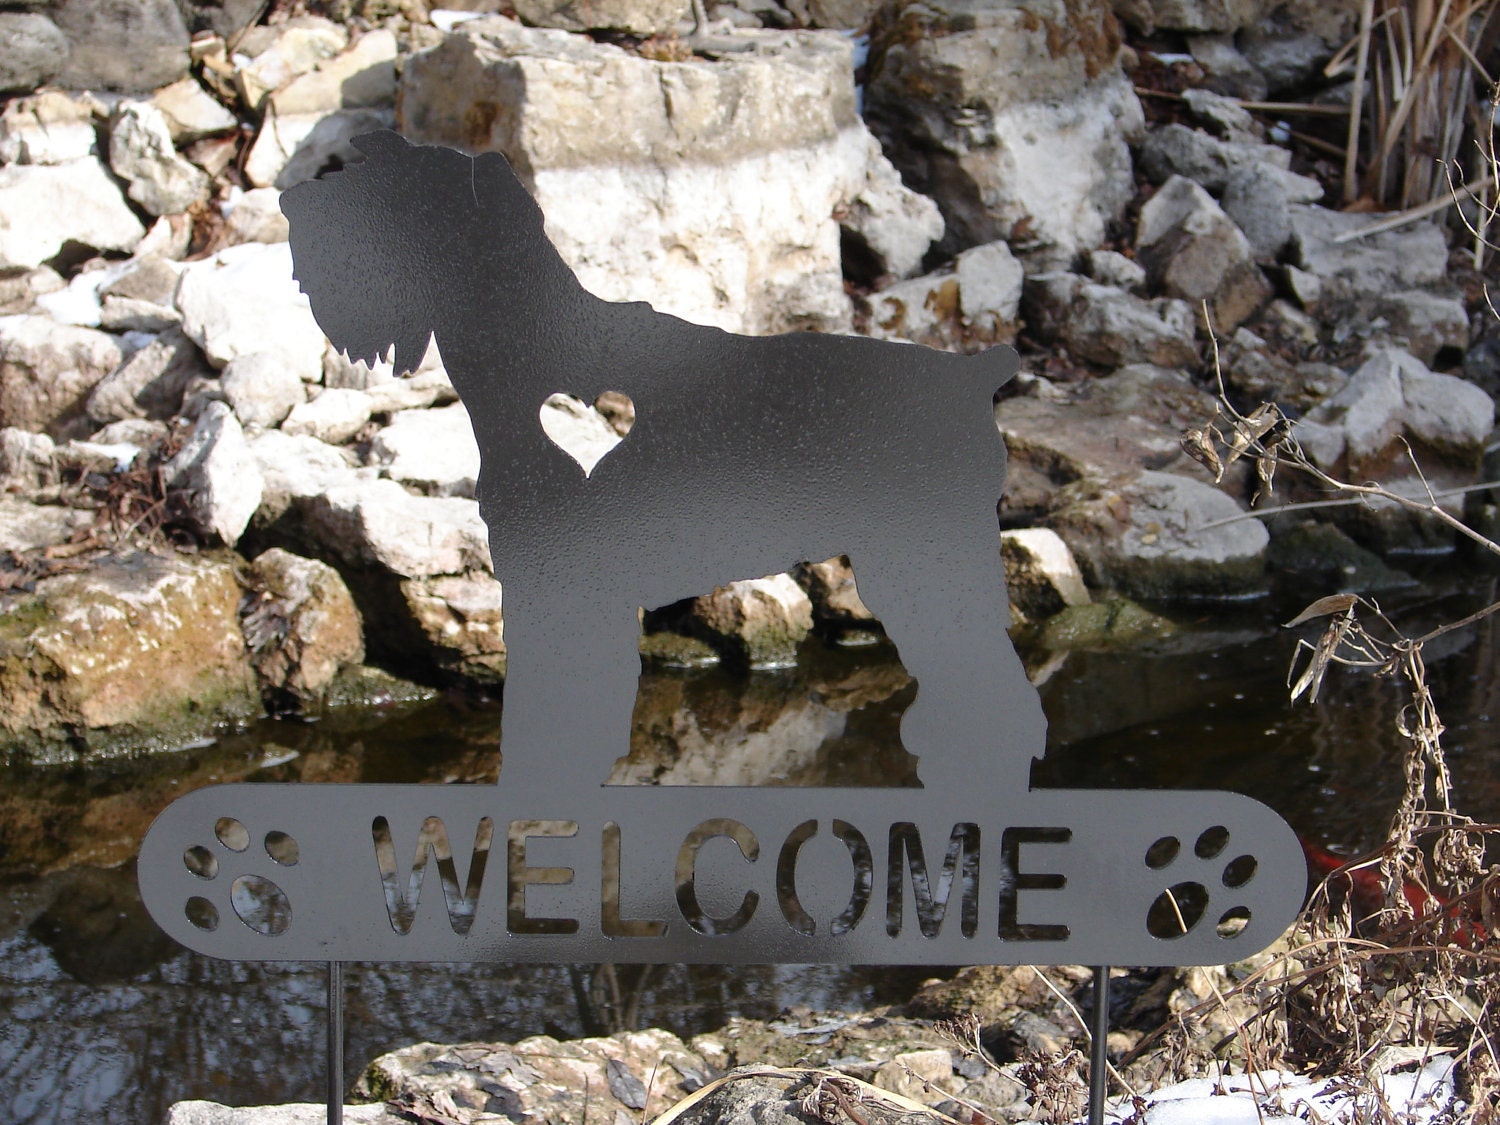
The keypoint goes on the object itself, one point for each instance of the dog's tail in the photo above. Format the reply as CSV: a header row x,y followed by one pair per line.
x,y
994,367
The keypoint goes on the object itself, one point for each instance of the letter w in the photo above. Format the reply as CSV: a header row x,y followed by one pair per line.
x,y
932,907
401,904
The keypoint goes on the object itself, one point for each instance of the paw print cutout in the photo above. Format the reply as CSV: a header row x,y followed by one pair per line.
x,y
1206,874
254,899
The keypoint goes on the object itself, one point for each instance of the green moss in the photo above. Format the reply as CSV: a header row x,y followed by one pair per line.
x,y
1114,624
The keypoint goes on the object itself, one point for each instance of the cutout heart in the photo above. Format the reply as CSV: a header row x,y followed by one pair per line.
x,y
587,433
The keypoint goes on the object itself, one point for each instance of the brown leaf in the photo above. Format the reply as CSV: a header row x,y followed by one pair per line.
x,y
1196,444
1333,603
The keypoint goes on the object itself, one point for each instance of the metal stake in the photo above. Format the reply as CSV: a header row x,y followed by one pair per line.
x,y
335,1043
1099,1060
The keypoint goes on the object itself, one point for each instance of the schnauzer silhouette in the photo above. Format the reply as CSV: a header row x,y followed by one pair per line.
x,y
748,454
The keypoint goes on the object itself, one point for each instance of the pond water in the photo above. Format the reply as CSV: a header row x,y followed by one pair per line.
x,y
102,1018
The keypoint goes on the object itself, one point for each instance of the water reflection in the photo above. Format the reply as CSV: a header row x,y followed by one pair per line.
x,y
101,1017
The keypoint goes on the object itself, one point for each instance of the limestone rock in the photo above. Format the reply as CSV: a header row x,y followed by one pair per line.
x,y
25,526
1104,325
134,653
1225,16
47,371
335,416
214,475
1192,250
1392,396
1109,267
1404,258
459,620
1420,322
98,32
1258,197
141,152
708,142
19,292
432,451
262,390
756,623
301,625
279,55
1180,150
292,148
377,523
191,112
294,1113
32,50
26,464
254,216
364,76
640,17
1014,116
887,228
150,383
836,604
294,468
968,306
1226,70
1041,575
1059,439
244,300
46,206
141,298
50,127
1146,538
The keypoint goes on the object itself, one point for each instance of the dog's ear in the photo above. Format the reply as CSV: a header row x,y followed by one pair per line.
x,y
383,143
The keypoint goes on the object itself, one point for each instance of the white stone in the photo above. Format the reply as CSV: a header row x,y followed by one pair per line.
x,y
244,300
895,224
1109,267
760,620
216,476
334,416
79,301
47,370
296,49
26,527
379,523
261,389
723,177
967,306
1041,574
362,76
150,383
296,1113
296,147
1014,116
296,467
191,112
1410,256
141,152
51,127
44,206
254,216
433,451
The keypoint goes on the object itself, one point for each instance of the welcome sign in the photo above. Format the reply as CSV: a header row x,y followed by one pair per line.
x,y
747,455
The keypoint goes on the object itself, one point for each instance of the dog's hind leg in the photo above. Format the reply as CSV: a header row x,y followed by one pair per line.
x,y
976,718
572,667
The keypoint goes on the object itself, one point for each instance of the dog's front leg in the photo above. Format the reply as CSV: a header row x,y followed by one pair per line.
x,y
572,667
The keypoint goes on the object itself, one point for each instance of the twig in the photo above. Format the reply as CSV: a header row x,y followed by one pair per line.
x,y
1421,211
1356,105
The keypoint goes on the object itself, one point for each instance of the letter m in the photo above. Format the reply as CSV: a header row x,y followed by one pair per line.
x,y
401,902
932,907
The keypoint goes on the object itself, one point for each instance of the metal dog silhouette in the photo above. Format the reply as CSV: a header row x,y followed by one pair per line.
x,y
747,456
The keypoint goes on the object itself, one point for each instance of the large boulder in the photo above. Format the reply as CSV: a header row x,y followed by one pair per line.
x,y
1013,114
756,623
1163,537
687,153
136,652
451,623
377,524
47,206
1058,437
47,371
